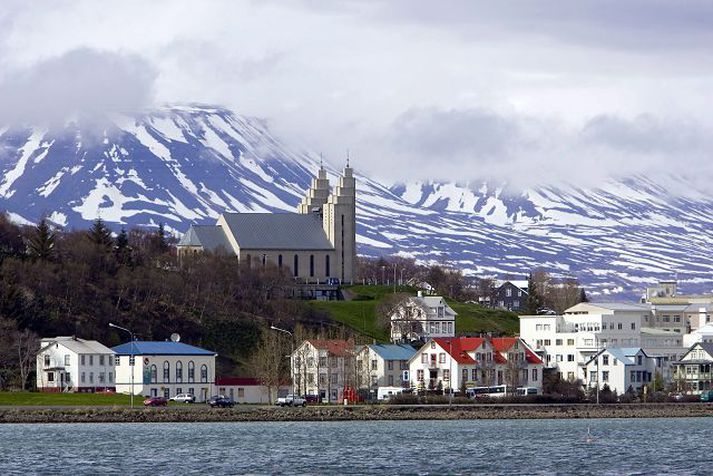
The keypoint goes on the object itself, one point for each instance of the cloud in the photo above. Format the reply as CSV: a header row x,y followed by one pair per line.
x,y
81,81
472,145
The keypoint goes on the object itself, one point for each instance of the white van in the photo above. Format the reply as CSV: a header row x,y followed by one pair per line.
x,y
385,393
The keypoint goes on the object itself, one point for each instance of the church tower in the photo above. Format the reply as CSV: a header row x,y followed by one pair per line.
x,y
316,195
339,221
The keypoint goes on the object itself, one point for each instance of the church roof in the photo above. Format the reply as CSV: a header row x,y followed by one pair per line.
x,y
278,231
211,238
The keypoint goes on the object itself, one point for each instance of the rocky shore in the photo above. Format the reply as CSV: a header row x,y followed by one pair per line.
x,y
199,413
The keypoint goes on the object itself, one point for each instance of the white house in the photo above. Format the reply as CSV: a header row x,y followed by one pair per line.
x,y
70,364
324,367
620,369
422,317
702,334
165,368
692,374
247,390
451,363
384,365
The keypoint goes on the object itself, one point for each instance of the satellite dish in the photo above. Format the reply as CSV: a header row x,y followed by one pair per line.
x,y
175,337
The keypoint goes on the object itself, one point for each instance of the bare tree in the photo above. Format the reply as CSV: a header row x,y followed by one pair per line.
x,y
269,360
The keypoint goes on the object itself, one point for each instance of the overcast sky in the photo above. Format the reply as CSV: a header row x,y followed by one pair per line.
x,y
416,89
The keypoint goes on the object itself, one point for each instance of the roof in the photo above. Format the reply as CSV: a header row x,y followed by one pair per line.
x,y
620,306
243,381
458,347
77,345
333,346
622,354
210,237
278,231
705,330
522,284
503,344
393,351
433,302
159,348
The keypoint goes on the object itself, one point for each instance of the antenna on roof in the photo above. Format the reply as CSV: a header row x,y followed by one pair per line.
x,y
175,337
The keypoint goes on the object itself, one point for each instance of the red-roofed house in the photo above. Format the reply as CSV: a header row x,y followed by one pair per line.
x,y
324,367
475,362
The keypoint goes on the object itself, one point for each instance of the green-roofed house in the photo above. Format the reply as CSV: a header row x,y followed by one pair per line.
x,y
316,243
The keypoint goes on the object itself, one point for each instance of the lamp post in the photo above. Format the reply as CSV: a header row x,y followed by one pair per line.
x,y
292,340
383,275
132,359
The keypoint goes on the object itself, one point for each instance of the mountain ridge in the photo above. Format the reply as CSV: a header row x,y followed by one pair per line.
x,y
186,164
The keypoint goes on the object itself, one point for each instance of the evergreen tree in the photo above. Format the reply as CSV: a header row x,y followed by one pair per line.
x,y
41,244
583,295
99,234
534,300
161,241
122,248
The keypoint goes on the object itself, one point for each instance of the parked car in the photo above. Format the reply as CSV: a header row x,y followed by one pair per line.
x,y
333,282
155,402
312,399
220,401
183,398
291,401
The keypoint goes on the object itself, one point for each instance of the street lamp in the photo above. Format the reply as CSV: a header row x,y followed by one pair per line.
x,y
292,372
132,359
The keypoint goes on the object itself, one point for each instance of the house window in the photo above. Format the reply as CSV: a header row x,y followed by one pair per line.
x,y
442,358
391,380
534,375
619,326
91,377
310,378
446,374
570,376
605,376
570,341
84,377
424,358
605,360
82,359
559,358
374,364
558,341
179,372
102,377
241,393
548,342
166,371
473,374
117,360
204,373
419,375
296,265
465,375
191,372
639,359
111,377
154,374
390,365
50,376
101,360
91,359
47,360
66,359
570,357
508,292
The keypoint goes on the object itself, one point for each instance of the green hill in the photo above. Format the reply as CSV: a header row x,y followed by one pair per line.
x,y
359,313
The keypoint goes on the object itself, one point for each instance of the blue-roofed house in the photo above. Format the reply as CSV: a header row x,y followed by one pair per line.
x,y
621,369
384,365
165,368
316,244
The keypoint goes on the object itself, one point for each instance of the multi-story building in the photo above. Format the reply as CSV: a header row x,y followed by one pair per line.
x,y
421,318
324,367
384,365
511,295
453,363
164,368
621,369
70,364
567,341
692,373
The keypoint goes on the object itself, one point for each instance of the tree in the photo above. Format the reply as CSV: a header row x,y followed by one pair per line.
x,y
41,244
268,361
99,234
122,248
534,300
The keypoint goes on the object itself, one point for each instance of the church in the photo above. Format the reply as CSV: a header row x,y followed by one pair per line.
x,y
315,244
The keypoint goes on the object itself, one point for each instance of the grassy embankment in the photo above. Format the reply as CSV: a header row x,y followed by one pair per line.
x,y
68,399
359,313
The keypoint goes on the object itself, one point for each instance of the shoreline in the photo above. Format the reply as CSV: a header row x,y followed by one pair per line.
x,y
351,413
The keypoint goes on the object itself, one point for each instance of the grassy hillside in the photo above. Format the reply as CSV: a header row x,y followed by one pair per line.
x,y
359,313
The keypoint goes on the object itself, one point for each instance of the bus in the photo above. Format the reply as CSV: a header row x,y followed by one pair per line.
x,y
524,391
497,391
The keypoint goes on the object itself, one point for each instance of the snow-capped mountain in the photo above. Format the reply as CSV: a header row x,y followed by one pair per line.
x,y
187,164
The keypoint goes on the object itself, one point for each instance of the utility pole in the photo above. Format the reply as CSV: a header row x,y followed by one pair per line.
x,y
132,357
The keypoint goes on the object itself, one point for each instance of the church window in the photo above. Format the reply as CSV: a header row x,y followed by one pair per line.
x,y
296,265
248,260
326,266
279,261
264,260
311,265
